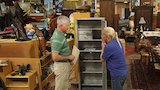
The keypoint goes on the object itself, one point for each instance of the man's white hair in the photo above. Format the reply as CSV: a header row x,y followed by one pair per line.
x,y
109,31
62,20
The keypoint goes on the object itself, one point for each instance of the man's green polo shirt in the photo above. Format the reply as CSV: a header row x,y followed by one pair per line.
x,y
59,43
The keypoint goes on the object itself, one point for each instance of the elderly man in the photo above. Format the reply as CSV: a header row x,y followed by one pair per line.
x,y
113,55
61,54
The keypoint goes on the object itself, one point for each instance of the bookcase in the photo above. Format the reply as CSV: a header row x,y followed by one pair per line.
x,y
92,73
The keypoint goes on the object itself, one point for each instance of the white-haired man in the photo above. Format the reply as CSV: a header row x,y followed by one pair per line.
x,y
61,54
113,55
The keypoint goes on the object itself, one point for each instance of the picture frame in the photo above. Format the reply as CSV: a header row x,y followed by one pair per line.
x,y
135,3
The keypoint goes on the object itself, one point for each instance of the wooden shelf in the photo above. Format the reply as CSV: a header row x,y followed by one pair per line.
x,y
45,57
27,75
46,80
18,84
49,62
46,60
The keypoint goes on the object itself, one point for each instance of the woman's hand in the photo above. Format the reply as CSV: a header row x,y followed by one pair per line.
x,y
103,44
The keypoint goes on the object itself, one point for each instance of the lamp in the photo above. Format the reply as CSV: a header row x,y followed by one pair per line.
x,y
142,24
125,1
142,21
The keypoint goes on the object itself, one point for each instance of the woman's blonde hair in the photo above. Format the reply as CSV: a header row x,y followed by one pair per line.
x,y
109,31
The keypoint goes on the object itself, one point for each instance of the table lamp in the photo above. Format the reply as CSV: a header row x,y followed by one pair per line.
x,y
142,24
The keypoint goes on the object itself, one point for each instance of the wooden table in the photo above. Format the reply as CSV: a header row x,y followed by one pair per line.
x,y
13,48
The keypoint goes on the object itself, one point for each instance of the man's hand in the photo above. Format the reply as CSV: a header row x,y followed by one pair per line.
x,y
57,57
71,57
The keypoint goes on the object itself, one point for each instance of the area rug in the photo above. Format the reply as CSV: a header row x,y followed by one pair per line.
x,y
129,49
144,77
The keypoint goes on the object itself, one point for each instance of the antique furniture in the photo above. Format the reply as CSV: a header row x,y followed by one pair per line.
x,y
158,20
19,82
147,13
107,10
27,52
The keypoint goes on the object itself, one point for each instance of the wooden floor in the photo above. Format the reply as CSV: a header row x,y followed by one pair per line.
x,y
141,76
144,76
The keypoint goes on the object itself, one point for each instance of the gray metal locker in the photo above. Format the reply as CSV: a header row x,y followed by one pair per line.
x,y
92,73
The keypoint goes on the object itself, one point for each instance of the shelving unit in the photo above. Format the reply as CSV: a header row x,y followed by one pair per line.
x,y
19,82
36,64
18,53
92,73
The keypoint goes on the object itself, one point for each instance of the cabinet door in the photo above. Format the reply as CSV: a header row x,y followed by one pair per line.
x,y
158,20
146,12
144,1
107,10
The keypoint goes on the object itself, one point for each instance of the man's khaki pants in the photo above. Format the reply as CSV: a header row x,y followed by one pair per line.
x,y
62,72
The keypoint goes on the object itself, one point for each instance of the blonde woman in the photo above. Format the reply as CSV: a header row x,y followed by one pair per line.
x,y
113,55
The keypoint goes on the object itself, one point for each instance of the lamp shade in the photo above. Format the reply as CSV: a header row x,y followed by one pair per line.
x,y
142,21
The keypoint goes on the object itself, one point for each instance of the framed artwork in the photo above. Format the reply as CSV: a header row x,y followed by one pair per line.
x,y
48,5
135,3
59,5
